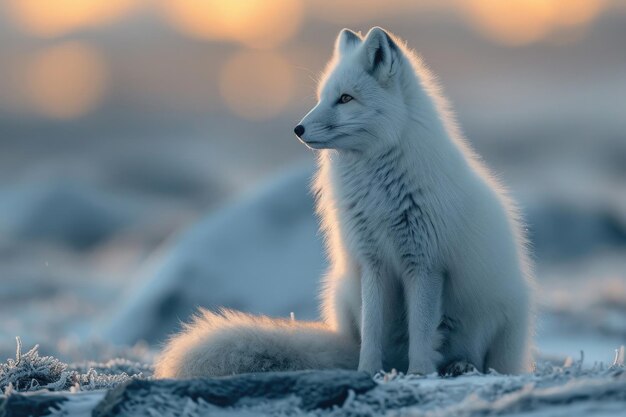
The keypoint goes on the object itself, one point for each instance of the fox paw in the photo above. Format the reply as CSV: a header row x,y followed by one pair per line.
x,y
371,367
425,368
457,368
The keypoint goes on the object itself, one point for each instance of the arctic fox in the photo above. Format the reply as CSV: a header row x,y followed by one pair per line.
x,y
428,262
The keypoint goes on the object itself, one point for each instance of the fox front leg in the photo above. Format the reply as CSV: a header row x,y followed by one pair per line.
x,y
372,295
423,292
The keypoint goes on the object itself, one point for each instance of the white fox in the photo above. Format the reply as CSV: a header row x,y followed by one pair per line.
x,y
428,263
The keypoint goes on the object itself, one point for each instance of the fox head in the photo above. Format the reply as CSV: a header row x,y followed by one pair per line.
x,y
361,101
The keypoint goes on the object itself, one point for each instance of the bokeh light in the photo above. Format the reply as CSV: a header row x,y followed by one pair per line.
x,y
256,85
519,22
350,12
509,22
54,18
65,81
578,12
255,23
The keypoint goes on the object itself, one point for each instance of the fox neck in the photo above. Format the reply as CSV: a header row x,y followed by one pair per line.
x,y
425,146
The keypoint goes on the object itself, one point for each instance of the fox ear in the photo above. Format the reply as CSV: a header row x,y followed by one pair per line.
x,y
346,41
380,54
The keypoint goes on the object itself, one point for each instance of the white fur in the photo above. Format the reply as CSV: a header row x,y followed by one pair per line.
x,y
230,342
428,258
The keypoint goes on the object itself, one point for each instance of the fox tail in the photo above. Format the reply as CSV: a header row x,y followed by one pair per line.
x,y
230,342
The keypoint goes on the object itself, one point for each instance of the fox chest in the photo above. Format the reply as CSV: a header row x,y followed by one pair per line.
x,y
388,223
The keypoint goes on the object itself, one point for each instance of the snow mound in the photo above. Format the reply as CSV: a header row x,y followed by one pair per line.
x,y
64,212
262,254
561,229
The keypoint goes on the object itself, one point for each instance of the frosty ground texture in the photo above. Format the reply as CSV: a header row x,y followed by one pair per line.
x,y
549,390
43,385
31,372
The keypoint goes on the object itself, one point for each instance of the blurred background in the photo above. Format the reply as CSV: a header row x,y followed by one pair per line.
x,y
148,164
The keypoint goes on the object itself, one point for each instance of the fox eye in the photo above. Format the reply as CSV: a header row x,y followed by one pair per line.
x,y
344,98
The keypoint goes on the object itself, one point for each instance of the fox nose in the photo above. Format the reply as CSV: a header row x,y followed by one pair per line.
x,y
299,130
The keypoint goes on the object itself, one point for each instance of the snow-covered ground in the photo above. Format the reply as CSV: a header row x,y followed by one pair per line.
x,y
37,386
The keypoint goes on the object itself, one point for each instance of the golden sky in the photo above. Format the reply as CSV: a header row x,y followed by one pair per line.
x,y
68,78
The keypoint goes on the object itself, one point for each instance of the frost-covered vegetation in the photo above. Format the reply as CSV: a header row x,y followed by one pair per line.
x,y
30,371
572,387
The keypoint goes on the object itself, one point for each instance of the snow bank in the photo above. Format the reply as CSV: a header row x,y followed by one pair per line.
x,y
262,254
62,211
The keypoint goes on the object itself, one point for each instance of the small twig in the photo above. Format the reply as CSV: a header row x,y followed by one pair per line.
x,y
18,352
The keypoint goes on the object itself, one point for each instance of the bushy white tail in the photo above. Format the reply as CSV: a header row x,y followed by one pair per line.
x,y
230,342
